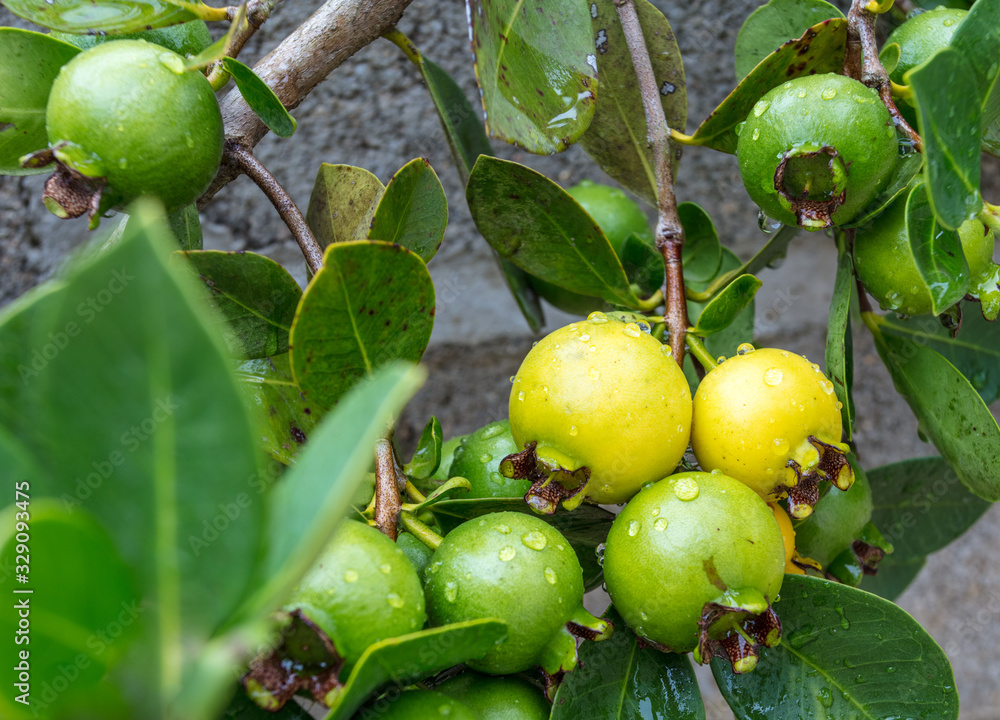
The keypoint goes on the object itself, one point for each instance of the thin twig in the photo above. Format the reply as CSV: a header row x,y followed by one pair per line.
x,y
669,231
388,502
243,160
870,71
337,30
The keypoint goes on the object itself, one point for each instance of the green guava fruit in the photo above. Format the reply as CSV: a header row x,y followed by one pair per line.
x,y
498,698
478,459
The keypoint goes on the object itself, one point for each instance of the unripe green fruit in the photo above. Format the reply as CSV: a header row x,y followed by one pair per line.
x,y
921,36
770,419
188,38
498,698
692,539
618,217
416,552
478,458
816,150
128,112
361,590
604,395
424,705
884,262
519,569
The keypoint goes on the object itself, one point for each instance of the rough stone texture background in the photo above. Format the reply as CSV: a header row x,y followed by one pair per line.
x,y
373,112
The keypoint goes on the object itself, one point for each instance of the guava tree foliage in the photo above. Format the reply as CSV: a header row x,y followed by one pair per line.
x,y
183,431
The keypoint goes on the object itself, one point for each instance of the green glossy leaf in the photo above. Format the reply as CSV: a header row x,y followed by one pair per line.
x,y
619,679
410,658
372,302
88,17
29,63
770,25
255,296
585,528
186,227
839,365
702,251
844,653
525,295
313,496
819,50
69,556
413,211
538,226
283,421
260,98
536,69
342,203
920,506
977,38
616,138
991,139
643,263
721,310
950,126
936,250
116,386
975,350
950,412
427,456
907,168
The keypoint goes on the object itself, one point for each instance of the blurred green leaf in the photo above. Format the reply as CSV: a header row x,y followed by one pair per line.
x,y
937,252
950,126
255,296
616,138
950,412
839,365
260,98
847,654
29,63
186,227
413,211
538,83
410,658
89,17
538,226
894,576
702,251
770,25
342,203
621,679
427,456
977,38
283,420
720,311
372,302
819,50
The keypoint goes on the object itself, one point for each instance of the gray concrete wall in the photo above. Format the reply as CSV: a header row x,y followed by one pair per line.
x,y
373,112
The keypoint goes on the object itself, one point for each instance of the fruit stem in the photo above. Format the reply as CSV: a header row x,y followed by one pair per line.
x,y
683,139
388,503
420,531
861,63
904,92
405,44
245,161
414,494
669,231
651,302
700,352
774,248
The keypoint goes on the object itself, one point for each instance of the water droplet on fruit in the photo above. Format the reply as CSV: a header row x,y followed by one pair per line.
x,y
827,387
520,395
584,338
767,224
643,615
686,489
721,359
451,591
660,524
573,432
829,94
496,477
385,568
507,553
395,601
666,350
632,330
745,349
773,377
534,343
534,539
597,317
761,107
550,576
633,528
511,378
594,374
485,458
599,552
645,327
780,446
351,576
800,94
756,133
839,405
545,388
503,529
948,23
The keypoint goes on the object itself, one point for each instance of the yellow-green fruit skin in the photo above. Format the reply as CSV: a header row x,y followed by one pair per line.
x,y
130,110
603,394
422,705
884,262
755,412
687,541
361,590
806,114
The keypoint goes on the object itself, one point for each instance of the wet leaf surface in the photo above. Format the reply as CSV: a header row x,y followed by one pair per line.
x,y
413,211
773,24
937,251
839,365
719,313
